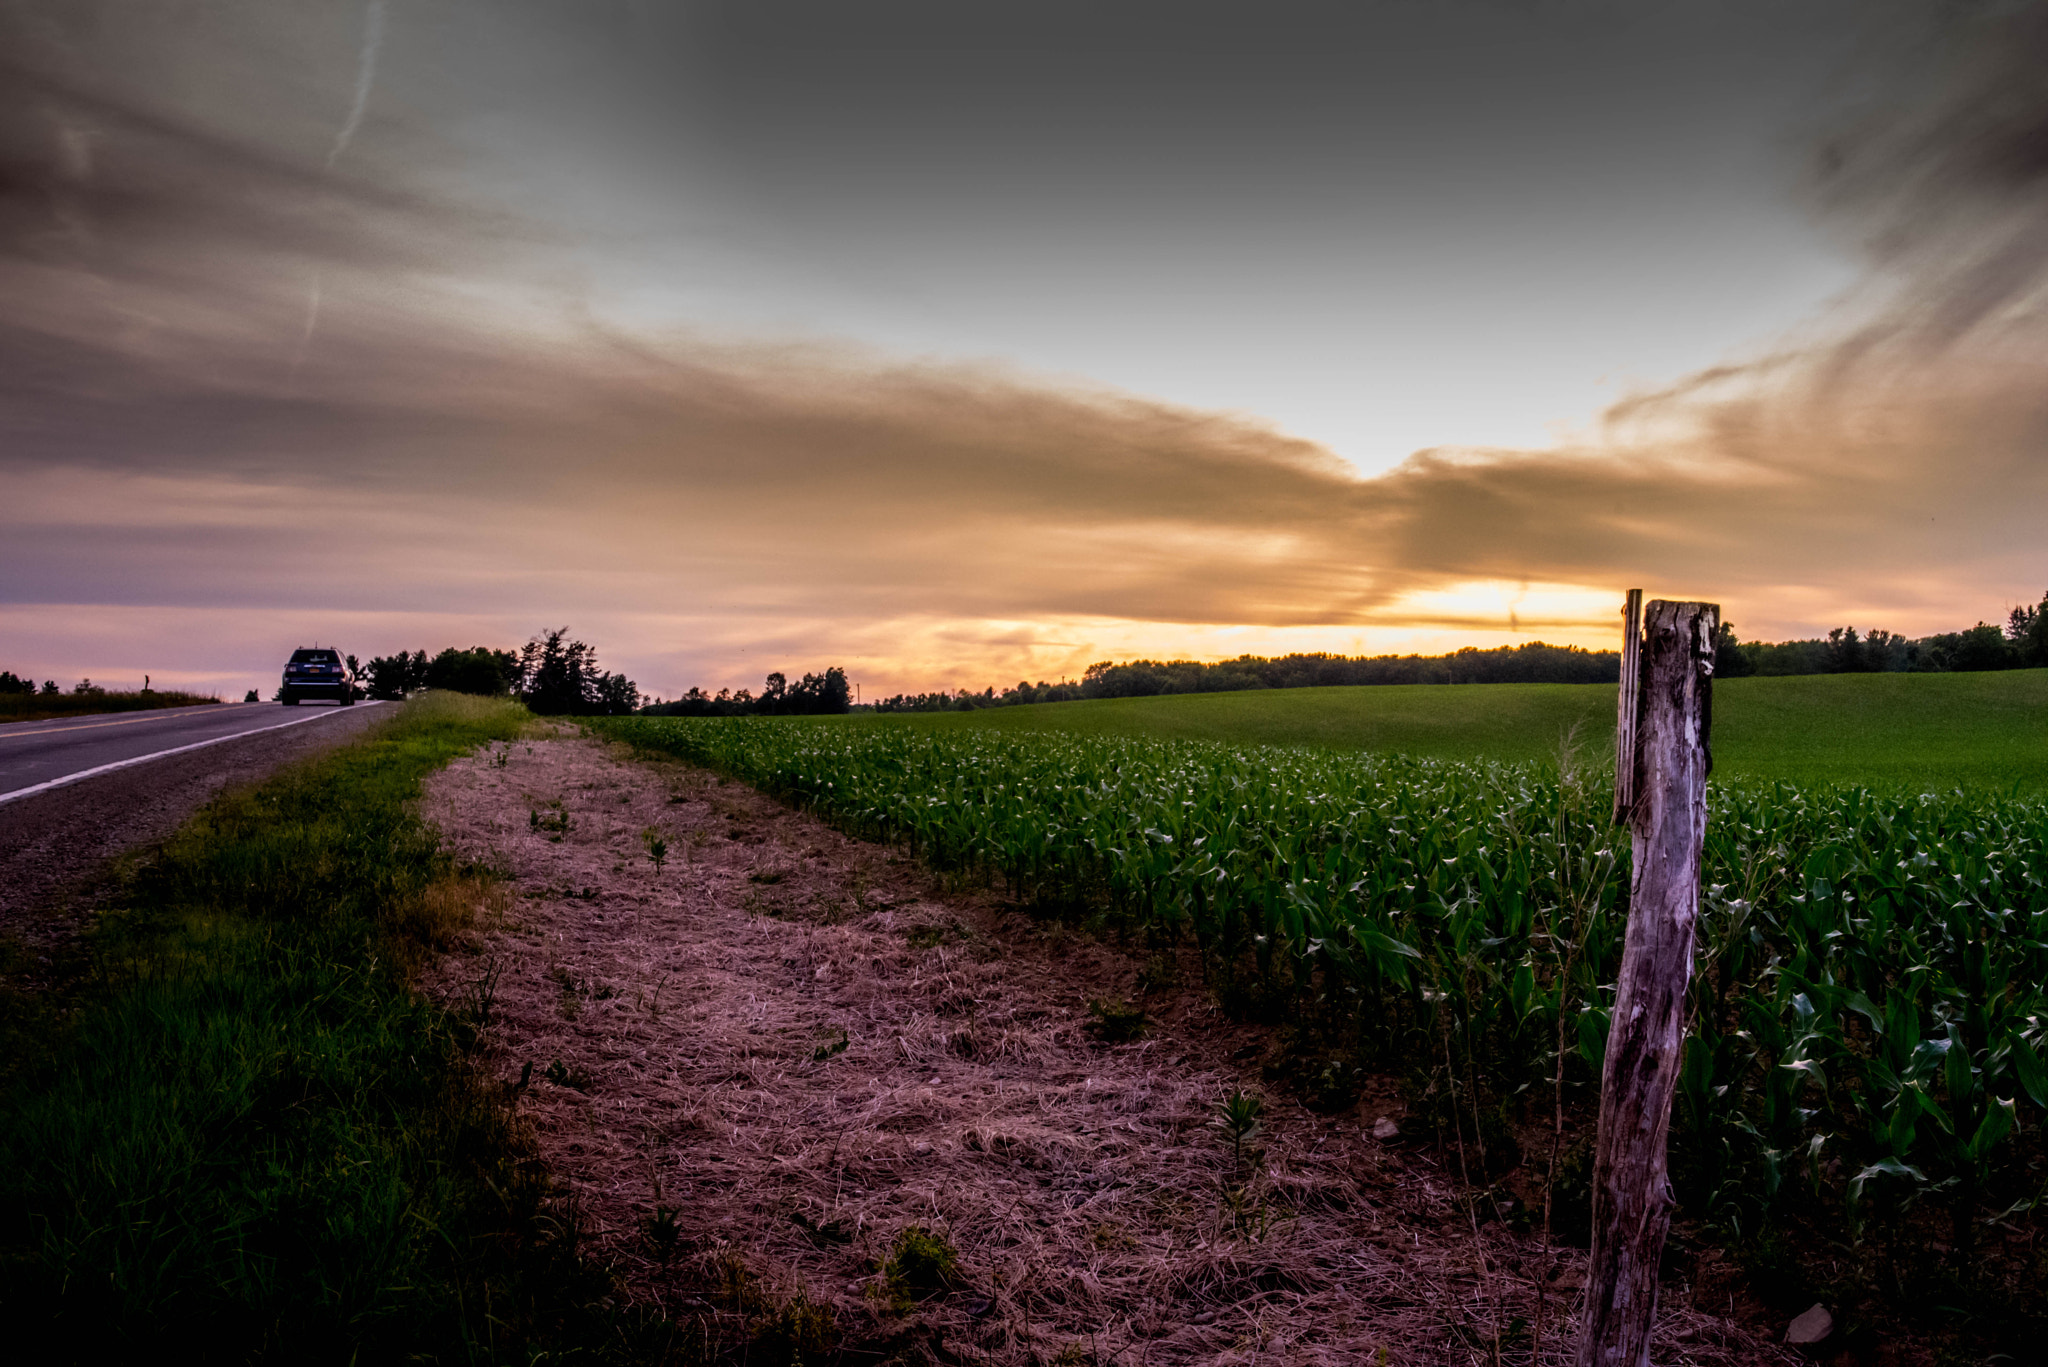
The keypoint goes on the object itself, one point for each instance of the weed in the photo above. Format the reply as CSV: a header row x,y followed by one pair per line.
x,y
1160,972
657,846
825,1051
567,1075
662,1233
552,819
921,1264
798,1330
1244,1211
1238,1116
1113,1238
483,994
1115,1022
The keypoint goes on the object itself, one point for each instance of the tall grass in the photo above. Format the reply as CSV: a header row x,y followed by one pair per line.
x,y
254,1139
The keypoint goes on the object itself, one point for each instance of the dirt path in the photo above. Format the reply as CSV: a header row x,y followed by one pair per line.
x,y
796,1044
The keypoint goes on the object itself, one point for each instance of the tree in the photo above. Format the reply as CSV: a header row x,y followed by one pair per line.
x,y
478,670
1731,659
560,677
2026,629
1845,652
1981,647
391,676
1883,651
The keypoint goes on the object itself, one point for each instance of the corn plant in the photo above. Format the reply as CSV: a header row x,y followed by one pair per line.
x,y
1867,1016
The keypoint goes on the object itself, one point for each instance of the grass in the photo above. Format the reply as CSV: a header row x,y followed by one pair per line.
x,y
252,1137
1920,732
16,707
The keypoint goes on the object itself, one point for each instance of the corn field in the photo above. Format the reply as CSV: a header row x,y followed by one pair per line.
x,y
1865,1050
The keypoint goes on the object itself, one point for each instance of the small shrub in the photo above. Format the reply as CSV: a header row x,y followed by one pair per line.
x,y
1238,1118
567,1075
661,1231
554,819
1115,1022
921,1263
798,1330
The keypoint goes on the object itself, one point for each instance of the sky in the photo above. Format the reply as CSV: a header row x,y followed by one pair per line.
x,y
957,344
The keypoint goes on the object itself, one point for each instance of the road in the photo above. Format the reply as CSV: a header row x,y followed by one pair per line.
x,y
37,756
80,792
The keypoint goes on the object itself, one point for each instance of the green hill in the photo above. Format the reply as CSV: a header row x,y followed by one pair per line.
x,y
1923,731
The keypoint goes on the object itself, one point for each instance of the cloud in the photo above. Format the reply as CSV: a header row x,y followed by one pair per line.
x,y
465,443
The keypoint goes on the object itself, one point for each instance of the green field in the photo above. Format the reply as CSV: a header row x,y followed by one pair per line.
x,y
1921,732
1867,1058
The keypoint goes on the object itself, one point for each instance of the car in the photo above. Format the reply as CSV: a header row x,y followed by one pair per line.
x,y
316,672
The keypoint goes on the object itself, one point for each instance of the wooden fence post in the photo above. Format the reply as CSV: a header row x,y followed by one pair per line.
x,y
1663,759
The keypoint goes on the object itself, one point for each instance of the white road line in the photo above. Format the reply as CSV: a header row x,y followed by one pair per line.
x,y
161,714
175,750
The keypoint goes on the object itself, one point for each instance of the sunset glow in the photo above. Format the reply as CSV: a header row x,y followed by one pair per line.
x,y
742,340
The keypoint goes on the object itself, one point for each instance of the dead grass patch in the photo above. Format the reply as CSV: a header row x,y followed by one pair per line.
x,y
807,1048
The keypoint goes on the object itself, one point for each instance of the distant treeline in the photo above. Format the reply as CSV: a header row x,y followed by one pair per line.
x,y
2022,643
811,696
552,675
1535,662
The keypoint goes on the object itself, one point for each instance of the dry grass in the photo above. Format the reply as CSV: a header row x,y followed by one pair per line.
x,y
754,1068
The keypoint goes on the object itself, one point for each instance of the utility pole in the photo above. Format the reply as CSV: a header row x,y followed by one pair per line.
x,y
1661,762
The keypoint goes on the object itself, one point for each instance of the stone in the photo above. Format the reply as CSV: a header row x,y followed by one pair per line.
x,y
1812,1327
1385,1128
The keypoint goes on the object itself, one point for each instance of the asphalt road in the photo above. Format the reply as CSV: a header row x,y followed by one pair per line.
x,y
40,755
81,792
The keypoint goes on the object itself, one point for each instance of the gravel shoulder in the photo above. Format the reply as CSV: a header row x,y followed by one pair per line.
x,y
749,1069
60,850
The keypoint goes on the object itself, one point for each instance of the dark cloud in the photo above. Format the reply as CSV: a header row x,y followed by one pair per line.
x,y
214,349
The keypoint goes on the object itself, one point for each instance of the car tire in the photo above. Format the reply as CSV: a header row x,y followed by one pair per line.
x,y
348,700
291,700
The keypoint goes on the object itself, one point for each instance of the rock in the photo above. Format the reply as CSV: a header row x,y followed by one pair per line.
x,y
1385,1128
920,1148
1813,1326
1206,1317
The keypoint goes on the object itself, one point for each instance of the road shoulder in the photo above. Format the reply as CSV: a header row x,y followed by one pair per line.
x,y
61,850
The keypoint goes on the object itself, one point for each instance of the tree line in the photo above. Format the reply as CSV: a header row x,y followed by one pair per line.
x,y
552,674
2022,643
1535,662
812,695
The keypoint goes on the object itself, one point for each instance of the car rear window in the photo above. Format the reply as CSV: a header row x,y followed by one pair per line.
x,y
312,657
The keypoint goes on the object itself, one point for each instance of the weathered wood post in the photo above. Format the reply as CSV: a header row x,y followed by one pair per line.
x,y
1660,792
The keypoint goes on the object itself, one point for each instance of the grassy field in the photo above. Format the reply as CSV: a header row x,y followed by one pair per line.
x,y
1920,732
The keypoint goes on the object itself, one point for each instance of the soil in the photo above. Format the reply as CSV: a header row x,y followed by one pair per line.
x,y
752,1066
